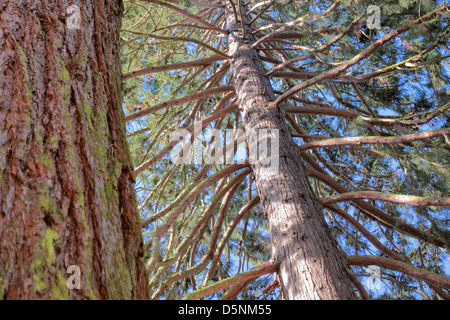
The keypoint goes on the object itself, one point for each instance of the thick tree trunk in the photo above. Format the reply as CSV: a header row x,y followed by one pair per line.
x,y
66,186
312,265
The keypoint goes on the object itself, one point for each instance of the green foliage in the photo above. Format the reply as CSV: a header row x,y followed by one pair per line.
x,y
407,96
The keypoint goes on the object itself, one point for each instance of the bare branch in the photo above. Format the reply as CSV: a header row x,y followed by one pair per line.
x,y
264,268
397,198
167,149
187,39
187,14
366,233
176,66
244,210
298,22
375,139
403,267
328,111
208,5
375,213
176,102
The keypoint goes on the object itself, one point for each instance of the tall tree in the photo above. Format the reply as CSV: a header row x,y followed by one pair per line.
x,y
311,266
358,94
66,193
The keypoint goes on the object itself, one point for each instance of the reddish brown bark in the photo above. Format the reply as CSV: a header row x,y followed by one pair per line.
x,y
66,183
311,264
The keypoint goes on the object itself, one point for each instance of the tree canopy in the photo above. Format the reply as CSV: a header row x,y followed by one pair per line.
x,y
365,87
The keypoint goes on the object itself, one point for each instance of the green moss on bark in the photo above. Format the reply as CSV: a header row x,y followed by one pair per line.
x,y
44,269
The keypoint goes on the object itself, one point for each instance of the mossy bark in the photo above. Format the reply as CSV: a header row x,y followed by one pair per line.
x,y
66,177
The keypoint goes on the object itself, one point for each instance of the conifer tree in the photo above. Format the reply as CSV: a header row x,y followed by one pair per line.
x,y
357,95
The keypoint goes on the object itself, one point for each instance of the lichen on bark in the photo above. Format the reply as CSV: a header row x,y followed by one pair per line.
x,y
67,195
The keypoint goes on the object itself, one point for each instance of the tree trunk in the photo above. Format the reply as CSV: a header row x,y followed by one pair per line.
x,y
66,183
312,265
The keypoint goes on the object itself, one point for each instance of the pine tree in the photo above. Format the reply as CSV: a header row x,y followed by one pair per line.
x,y
359,205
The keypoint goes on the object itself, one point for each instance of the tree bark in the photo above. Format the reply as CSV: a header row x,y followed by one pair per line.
x,y
311,263
66,175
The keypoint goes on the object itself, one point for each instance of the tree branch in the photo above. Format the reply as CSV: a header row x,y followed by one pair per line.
x,y
397,198
366,233
403,267
167,149
187,39
299,21
374,140
187,14
264,268
244,210
375,213
371,49
176,66
172,103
